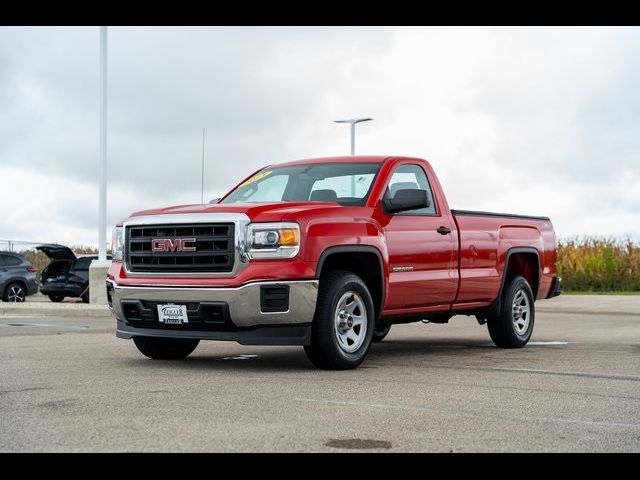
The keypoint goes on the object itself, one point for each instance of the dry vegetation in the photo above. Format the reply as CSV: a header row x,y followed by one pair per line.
x,y
599,265
585,265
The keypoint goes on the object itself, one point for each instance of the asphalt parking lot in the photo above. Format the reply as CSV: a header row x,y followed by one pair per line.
x,y
67,384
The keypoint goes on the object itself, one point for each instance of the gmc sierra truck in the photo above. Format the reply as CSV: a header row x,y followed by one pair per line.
x,y
326,253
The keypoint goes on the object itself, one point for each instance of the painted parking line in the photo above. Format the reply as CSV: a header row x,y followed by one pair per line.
x,y
441,412
551,343
610,376
47,325
240,357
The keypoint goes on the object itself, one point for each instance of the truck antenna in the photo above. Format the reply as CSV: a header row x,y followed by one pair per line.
x,y
202,175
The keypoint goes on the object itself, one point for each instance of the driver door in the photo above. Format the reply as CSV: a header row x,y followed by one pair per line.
x,y
421,259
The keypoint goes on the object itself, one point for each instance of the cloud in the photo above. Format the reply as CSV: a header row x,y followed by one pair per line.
x,y
530,120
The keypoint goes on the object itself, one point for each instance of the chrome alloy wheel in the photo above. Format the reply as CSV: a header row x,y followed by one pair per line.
x,y
521,312
350,322
16,294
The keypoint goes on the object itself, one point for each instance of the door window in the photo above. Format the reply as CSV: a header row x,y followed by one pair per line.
x,y
410,177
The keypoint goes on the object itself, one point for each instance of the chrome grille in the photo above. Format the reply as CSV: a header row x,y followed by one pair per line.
x,y
214,248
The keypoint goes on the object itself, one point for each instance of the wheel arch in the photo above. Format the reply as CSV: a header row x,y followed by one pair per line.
x,y
357,259
11,282
523,261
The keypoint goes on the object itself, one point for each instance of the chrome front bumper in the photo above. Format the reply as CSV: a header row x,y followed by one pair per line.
x,y
243,304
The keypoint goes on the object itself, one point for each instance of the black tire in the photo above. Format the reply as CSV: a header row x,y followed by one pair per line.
x,y
15,292
165,348
503,327
85,297
56,298
381,331
325,351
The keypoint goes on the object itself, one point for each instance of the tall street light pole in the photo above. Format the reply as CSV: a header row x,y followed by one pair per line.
x,y
98,268
352,124
102,230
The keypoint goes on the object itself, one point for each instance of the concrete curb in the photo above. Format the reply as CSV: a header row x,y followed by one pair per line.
x,y
591,304
75,310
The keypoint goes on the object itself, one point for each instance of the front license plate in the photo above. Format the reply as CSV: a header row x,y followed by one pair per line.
x,y
171,314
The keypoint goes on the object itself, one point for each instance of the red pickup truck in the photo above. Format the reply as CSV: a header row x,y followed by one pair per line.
x,y
327,253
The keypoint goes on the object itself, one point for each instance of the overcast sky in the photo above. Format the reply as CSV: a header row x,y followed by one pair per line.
x,y
524,120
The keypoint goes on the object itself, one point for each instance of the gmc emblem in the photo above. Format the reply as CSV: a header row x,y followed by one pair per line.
x,y
162,245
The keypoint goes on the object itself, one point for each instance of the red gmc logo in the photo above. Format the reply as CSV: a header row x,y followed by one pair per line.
x,y
162,245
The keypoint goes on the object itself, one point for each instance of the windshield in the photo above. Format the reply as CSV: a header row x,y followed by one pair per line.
x,y
343,183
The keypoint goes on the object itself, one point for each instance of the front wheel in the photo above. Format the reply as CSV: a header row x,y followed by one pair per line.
x,y
165,348
56,298
343,323
513,326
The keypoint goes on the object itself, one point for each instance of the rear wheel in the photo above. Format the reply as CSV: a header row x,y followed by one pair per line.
x,y
165,348
56,298
381,331
343,323
513,326
85,297
15,293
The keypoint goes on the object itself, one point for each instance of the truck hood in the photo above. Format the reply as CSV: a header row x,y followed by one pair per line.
x,y
257,212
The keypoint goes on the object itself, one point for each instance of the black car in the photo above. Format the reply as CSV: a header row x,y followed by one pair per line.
x,y
17,277
66,275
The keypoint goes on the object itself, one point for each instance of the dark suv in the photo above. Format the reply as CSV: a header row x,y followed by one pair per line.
x,y
17,277
66,275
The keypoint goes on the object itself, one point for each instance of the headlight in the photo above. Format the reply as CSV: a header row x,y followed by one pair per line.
x,y
117,243
273,240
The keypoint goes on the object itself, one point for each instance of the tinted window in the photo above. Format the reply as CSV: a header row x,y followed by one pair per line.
x,y
1,260
344,183
410,177
82,263
11,261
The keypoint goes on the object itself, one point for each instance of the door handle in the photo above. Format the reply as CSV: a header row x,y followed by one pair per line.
x,y
443,230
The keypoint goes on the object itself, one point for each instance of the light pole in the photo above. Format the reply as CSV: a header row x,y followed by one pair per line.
x,y
98,268
102,228
352,123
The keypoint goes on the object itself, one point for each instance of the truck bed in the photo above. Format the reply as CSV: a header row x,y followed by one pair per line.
x,y
486,239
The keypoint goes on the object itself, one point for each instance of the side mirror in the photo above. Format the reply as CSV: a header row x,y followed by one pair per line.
x,y
214,200
405,200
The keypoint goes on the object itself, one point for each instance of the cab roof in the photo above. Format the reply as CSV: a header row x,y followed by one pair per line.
x,y
342,159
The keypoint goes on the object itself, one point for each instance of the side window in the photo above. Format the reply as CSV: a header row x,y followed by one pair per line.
x,y
11,261
2,260
408,177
